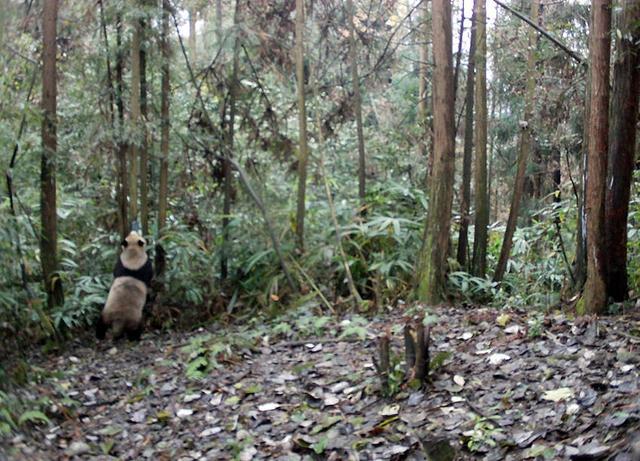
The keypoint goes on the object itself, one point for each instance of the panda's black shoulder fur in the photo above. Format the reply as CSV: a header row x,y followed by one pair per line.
x,y
144,274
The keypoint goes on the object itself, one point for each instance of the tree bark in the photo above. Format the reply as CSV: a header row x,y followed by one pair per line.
x,y
164,127
226,165
48,236
456,72
123,179
525,150
463,235
595,289
423,104
144,148
481,196
302,126
622,142
134,151
357,101
432,262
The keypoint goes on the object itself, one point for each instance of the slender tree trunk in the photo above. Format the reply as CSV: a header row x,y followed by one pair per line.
x,y
48,237
193,16
595,289
456,72
423,103
219,22
144,149
226,165
164,135
357,101
481,196
432,263
302,126
525,149
622,142
463,235
123,179
134,151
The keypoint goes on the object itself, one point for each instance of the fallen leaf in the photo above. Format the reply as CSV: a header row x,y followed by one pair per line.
x,y
498,358
390,410
459,380
557,395
503,319
268,406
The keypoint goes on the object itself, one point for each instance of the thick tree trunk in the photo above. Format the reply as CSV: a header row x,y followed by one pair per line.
x,y
622,142
465,195
432,263
226,165
595,289
48,236
134,151
302,126
525,149
481,196
357,101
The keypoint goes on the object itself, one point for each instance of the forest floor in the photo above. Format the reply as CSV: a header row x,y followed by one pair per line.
x,y
513,386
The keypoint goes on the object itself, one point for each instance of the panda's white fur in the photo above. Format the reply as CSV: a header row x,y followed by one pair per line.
x,y
123,310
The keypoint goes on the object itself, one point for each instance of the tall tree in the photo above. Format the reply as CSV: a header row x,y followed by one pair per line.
x,y
595,288
465,195
622,142
123,178
48,232
423,103
144,147
193,16
432,262
481,196
134,150
357,99
302,125
525,148
164,133
226,163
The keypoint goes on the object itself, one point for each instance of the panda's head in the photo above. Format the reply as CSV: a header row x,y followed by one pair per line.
x,y
134,252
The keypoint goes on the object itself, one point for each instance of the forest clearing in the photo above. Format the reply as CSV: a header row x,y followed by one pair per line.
x,y
320,229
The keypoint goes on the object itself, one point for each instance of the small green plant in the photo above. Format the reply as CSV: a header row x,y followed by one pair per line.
x,y
482,434
536,324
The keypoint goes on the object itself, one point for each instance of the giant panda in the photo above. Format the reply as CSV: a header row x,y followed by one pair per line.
x,y
131,279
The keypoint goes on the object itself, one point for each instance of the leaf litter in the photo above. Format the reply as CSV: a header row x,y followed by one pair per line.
x,y
501,392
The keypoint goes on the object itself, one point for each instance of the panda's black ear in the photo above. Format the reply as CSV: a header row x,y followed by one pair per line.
x,y
124,243
141,243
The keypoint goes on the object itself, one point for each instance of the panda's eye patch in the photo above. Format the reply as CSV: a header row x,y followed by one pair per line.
x,y
124,243
141,243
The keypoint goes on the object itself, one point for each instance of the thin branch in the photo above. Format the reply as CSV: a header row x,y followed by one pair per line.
x,y
542,32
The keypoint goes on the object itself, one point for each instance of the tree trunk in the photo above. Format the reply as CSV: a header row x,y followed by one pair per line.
x,y
456,72
481,196
525,149
595,289
302,126
357,101
48,236
432,263
193,16
226,165
144,148
164,135
423,104
463,235
622,141
123,179
134,151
